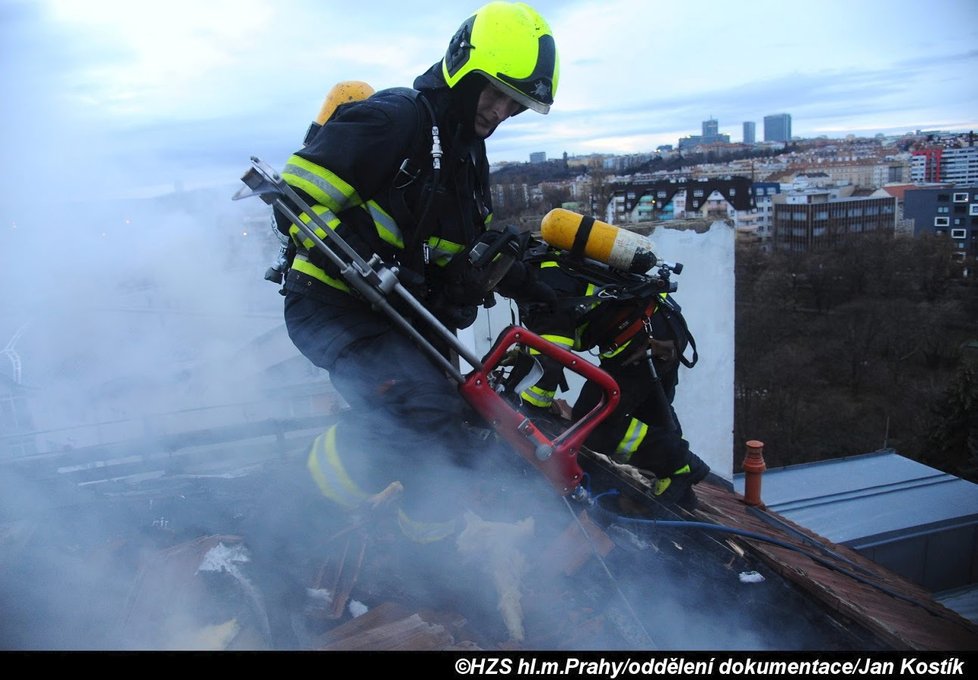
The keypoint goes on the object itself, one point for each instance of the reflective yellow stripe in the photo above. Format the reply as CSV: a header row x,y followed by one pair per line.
x,y
561,340
385,225
548,264
441,251
589,291
538,396
580,330
634,436
335,195
302,264
424,532
608,355
322,185
328,216
329,474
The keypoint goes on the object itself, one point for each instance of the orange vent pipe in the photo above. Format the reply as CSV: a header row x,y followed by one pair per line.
x,y
753,469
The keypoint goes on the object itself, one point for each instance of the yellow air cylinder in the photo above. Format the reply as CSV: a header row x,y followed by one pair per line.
x,y
341,93
587,237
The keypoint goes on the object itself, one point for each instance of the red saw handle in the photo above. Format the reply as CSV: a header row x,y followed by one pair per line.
x,y
557,458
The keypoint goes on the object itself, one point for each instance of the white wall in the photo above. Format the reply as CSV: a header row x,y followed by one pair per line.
x,y
705,397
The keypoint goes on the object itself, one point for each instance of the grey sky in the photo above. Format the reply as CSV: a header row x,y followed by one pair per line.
x,y
156,93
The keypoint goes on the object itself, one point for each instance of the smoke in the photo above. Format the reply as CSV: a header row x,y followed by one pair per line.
x,y
119,320
140,340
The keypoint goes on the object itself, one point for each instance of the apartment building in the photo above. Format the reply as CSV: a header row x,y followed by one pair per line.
x,y
716,199
960,165
951,210
952,164
868,175
761,219
813,221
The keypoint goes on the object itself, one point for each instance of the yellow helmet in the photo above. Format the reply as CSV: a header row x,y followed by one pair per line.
x,y
510,44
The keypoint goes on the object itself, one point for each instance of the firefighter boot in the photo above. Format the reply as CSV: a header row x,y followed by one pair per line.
x,y
677,488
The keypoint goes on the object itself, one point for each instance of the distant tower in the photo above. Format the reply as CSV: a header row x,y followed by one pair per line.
x,y
777,128
749,129
710,129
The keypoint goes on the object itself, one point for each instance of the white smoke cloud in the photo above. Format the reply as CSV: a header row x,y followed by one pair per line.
x,y
132,314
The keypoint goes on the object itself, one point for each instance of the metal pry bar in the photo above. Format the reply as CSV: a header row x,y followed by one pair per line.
x,y
374,280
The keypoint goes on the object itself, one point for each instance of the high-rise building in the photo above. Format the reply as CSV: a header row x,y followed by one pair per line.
x,y
710,129
777,128
960,165
538,157
711,135
749,128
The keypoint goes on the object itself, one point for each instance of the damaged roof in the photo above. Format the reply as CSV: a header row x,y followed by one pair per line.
x,y
903,615
165,561
917,520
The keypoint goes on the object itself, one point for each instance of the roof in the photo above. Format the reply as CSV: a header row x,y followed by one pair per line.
x,y
897,190
735,190
912,519
673,585
861,499
869,595
962,600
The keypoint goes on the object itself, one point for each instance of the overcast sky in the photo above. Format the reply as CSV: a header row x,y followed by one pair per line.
x,y
131,95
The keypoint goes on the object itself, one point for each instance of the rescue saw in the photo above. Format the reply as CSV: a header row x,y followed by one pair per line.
x,y
482,387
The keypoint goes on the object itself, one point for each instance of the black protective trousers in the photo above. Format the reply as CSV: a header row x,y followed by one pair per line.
x,y
663,451
406,421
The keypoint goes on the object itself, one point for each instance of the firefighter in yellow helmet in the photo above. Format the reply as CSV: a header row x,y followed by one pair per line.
x,y
372,172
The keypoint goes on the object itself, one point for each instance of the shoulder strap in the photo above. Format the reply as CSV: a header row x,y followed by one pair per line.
x,y
427,129
674,315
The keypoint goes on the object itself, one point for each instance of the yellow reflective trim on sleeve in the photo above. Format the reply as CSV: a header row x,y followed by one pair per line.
x,y
386,227
549,264
329,474
441,251
301,264
538,396
634,436
322,185
561,340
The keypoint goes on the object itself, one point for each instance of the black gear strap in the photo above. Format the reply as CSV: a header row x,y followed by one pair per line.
x,y
580,239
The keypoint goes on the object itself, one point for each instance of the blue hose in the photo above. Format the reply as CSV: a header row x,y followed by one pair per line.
x,y
720,528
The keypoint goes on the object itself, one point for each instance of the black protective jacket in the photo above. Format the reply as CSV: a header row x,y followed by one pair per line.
x,y
369,172
644,429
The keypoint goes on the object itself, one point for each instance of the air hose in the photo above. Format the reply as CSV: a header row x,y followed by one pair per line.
x,y
721,528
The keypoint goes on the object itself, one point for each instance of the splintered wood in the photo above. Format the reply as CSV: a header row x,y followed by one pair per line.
x,y
577,544
390,627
